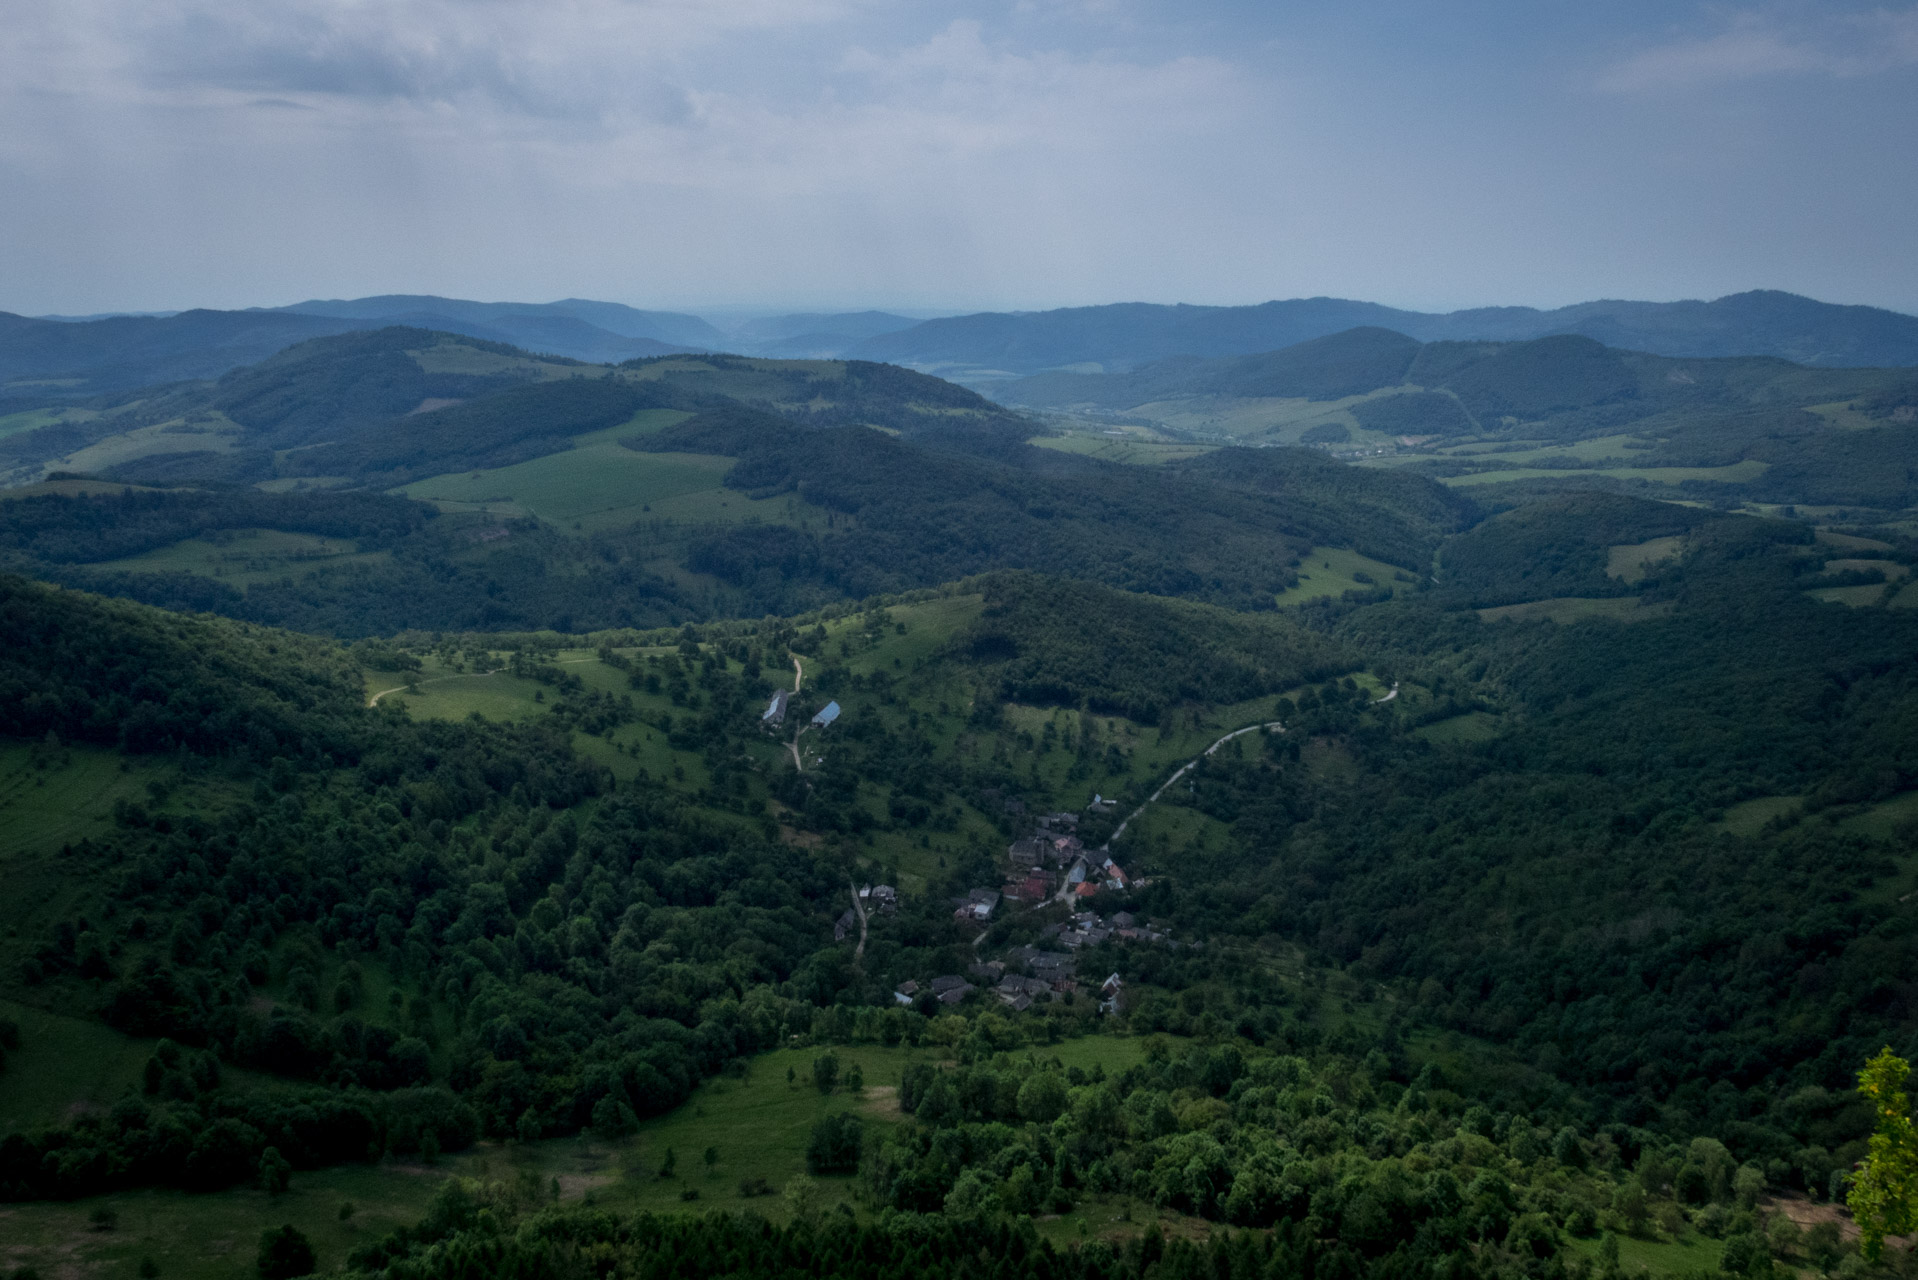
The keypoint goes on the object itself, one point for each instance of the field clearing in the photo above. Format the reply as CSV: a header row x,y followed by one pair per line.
x,y
246,556
1693,1254
1333,571
33,419
1633,562
716,505
457,696
607,482
217,436
1839,413
457,357
71,799
448,694
64,1066
1882,820
1851,542
1569,609
1596,449
1748,817
1473,726
1737,473
1120,447
1861,597
644,423
1890,568
929,624
757,1126
71,489
1167,828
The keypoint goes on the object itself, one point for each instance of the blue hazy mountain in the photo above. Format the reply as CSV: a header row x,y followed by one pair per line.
x,y
1126,335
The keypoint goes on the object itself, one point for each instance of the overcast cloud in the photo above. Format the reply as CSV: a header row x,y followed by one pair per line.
x,y
828,153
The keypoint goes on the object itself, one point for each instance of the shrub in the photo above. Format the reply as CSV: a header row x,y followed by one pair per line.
x,y
285,1253
835,1143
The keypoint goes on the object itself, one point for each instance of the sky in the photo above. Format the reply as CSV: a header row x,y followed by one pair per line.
x,y
835,154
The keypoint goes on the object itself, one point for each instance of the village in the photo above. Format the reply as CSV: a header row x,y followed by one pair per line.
x,y
1049,866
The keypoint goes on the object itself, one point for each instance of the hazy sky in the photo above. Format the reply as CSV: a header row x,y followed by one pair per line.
x,y
836,153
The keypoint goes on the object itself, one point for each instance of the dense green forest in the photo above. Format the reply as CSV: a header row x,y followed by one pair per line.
x,y
1507,887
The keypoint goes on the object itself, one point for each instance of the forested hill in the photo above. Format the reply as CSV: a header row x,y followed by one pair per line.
x,y
1056,642
1482,387
1126,335
82,669
399,403
1217,531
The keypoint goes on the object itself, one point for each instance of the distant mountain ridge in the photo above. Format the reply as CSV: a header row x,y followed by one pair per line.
x,y
1123,336
571,327
72,358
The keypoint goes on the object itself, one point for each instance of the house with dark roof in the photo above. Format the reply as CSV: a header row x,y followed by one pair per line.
x,y
776,709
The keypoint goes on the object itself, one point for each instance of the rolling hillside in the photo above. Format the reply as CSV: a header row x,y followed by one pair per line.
x,y
992,346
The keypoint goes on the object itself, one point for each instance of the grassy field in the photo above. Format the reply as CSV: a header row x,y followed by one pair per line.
x,y
1566,609
1115,445
1473,726
1659,1257
1736,473
1850,542
757,1127
33,419
1860,597
1263,420
1331,571
1882,820
1631,562
211,432
64,1065
51,798
1748,817
456,357
246,556
604,484
1596,449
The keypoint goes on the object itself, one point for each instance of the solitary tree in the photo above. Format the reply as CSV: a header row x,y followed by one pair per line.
x,y
1884,1193
276,1171
285,1253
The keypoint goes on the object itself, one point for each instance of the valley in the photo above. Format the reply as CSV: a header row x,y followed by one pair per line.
x,y
1492,850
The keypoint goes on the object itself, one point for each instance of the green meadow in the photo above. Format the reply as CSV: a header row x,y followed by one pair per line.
x,y
1634,561
1736,473
604,484
755,1127
1567,609
1689,1254
1473,726
243,557
1596,449
1121,446
1330,571
1748,817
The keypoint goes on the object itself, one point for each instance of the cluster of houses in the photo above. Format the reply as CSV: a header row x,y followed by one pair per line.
x,y
1053,861
1048,977
1030,975
882,898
